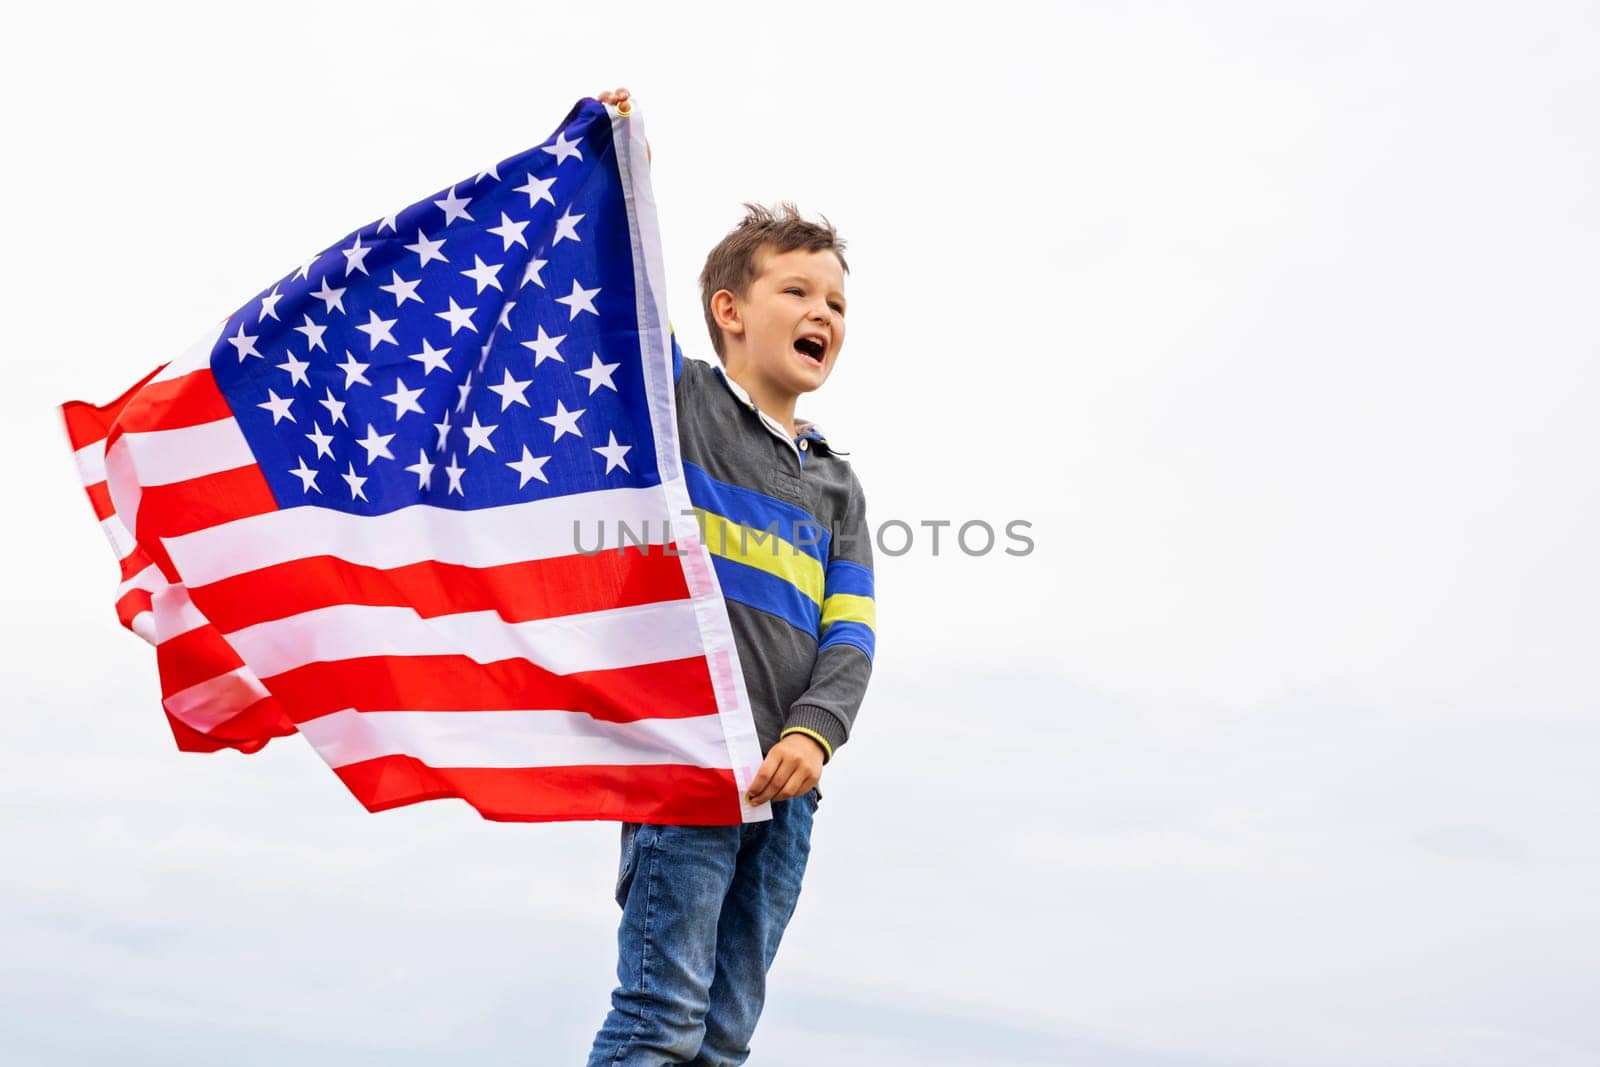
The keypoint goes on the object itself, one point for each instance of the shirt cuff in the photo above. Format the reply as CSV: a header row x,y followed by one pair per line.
x,y
819,723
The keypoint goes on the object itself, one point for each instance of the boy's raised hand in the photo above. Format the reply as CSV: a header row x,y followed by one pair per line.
x,y
791,768
620,97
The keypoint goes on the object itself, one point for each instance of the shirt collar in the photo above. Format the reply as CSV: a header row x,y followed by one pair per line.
x,y
807,429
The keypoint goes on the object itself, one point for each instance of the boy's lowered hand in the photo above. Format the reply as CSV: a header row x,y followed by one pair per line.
x,y
792,767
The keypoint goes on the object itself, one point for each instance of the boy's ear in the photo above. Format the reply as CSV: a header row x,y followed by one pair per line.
x,y
725,310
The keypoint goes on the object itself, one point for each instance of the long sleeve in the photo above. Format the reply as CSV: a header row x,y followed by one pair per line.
x,y
827,710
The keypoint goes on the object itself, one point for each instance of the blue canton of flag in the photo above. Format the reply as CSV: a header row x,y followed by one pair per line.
x,y
476,349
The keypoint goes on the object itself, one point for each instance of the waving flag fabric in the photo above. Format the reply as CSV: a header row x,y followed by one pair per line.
x,y
421,502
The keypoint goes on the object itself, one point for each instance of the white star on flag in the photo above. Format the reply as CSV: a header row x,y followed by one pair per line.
x,y
404,400
355,372
564,421
537,189
323,441
313,334
377,445
279,406
401,289
510,232
485,274
331,297
307,476
566,226
563,149
244,343
510,391
545,347
458,317
427,250
478,435
422,469
269,306
378,331
432,358
455,472
296,369
580,299
355,257
454,207
355,482
599,374
335,408
529,466
614,452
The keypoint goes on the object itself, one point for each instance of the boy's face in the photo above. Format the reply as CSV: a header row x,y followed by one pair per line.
x,y
792,321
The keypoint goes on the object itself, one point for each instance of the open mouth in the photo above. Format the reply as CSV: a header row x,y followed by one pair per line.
x,y
811,348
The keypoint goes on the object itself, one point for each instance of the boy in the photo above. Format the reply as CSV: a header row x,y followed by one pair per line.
x,y
704,907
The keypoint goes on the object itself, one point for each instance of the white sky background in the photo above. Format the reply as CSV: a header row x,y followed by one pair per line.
x,y
1279,326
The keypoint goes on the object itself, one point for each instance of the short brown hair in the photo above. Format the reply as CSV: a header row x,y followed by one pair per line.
x,y
731,265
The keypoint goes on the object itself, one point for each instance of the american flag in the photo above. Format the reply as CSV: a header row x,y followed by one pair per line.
x,y
365,510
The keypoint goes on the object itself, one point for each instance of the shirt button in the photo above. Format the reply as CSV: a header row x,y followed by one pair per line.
x,y
803,443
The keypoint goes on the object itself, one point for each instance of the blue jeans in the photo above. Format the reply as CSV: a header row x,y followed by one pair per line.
x,y
703,909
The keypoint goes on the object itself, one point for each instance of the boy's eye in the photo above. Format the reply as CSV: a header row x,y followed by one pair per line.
x,y
837,307
796,292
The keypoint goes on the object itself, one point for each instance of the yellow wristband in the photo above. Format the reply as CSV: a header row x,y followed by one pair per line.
x,y
818,738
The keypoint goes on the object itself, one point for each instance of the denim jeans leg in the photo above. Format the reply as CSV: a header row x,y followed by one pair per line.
x,y
760,903
666,943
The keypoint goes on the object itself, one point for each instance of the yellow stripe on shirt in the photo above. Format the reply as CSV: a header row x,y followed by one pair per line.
x,y
764,550
849,607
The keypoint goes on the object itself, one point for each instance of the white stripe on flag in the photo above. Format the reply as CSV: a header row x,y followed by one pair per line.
x,y
151,580
162,457
514,739
175,613
122,485
597,640
144,624
122,542
216,700
91,461
488,537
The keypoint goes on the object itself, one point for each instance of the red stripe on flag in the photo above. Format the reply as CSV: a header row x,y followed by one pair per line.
x,y
194,657
665,690
184,507
254,726
192,740
130,604
100,497
133,563
696,796
248,732
191,400
88,423
531,589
